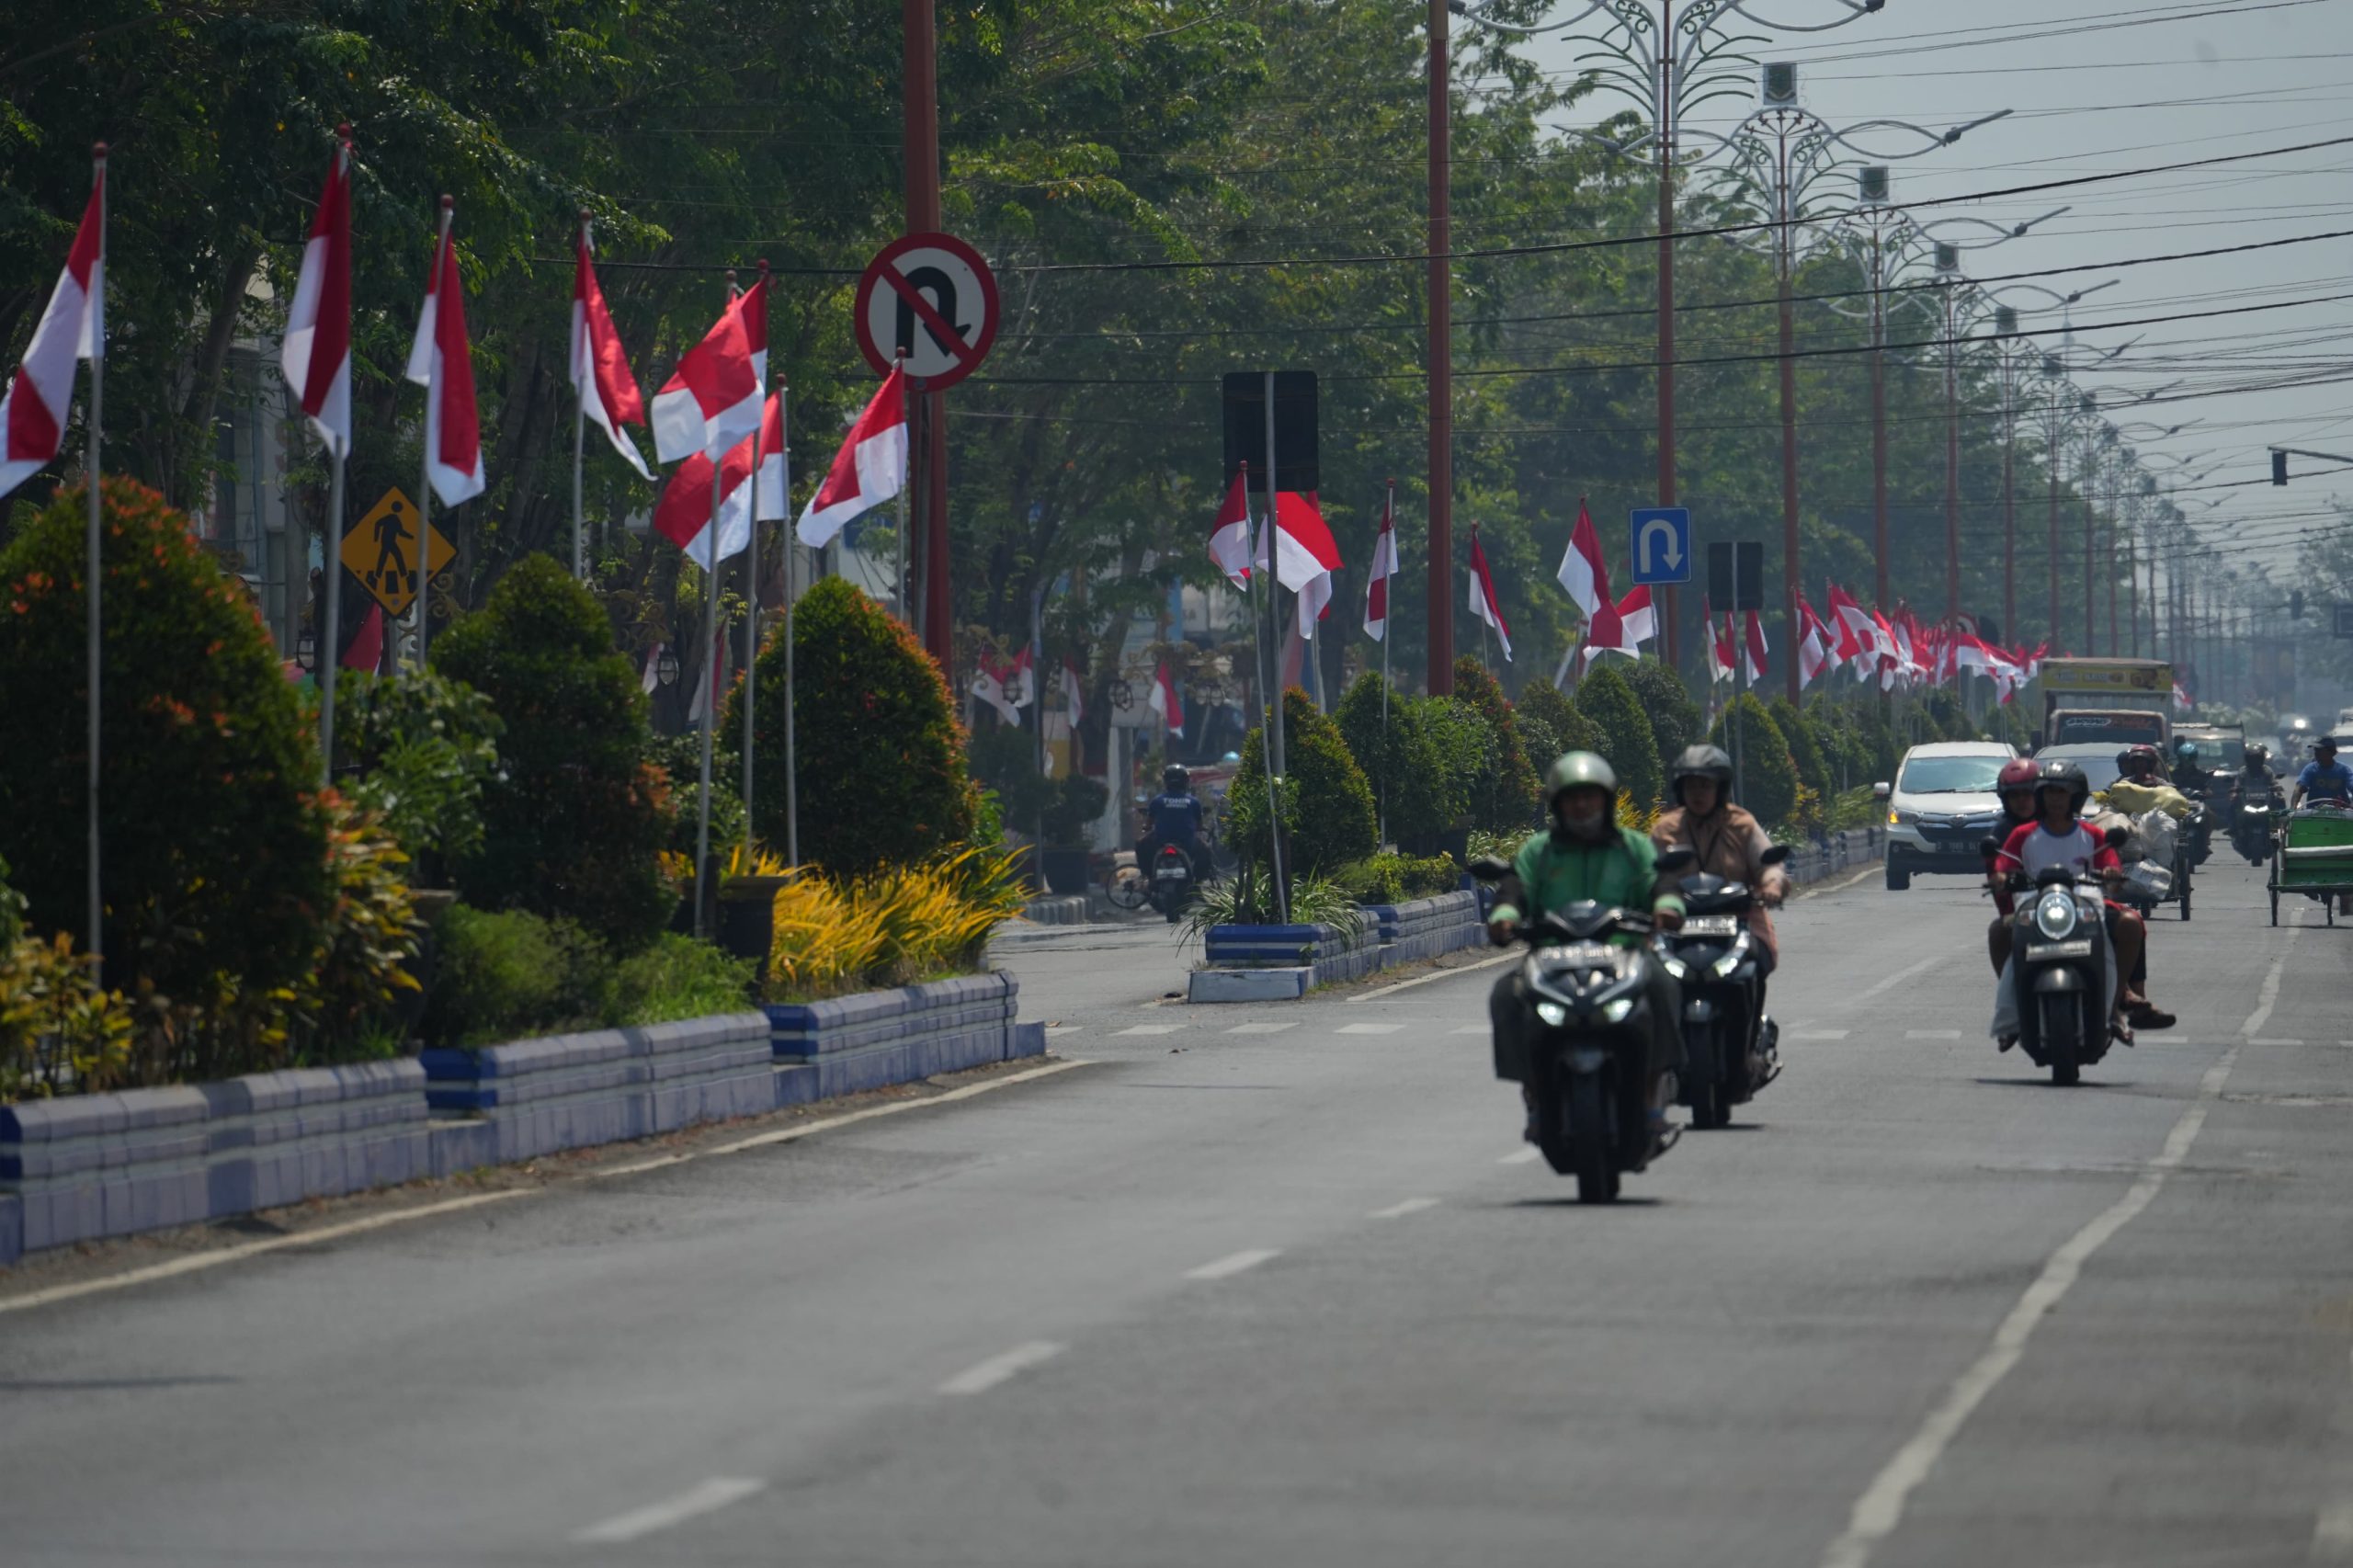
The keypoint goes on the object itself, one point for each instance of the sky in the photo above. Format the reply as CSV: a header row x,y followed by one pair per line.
x,y
2112,86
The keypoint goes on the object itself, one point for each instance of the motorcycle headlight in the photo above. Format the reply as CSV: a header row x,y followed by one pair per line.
x,y
1618,1012
1731,961
2056,916
1553,1012
1676,968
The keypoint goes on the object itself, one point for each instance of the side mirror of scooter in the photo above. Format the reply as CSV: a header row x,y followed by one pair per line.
x,y
1880,791
1488,869
1775,856
1675,860
1989,848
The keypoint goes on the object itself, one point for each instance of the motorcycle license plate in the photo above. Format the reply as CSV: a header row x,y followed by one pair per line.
x,y
1169,875
1711,926
2077,950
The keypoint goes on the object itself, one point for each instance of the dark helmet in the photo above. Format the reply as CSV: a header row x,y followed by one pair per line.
x,y
1176,779
1578,769
2325,743
2186,749
2017,774
2132,760
2065,776
2257,753
1701,762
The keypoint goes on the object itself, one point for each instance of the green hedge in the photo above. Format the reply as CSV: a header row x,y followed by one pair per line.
x,y
1768,780
1328,806
1628,741
1402,763
1505,797
1551,726
1675,719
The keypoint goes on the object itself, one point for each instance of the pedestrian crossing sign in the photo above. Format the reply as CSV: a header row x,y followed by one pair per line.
x,y
381,551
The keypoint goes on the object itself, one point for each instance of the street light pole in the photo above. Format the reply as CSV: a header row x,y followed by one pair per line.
x,y
1440,550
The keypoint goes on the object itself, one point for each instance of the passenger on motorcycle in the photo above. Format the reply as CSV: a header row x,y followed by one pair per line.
x,y
2059,837
1585,855
2016,786
1174,817
2189,775
1729,842
2140,790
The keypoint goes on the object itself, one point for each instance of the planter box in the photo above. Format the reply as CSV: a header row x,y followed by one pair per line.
x,y
97,1165
1066,870
1425,927
1328,954
535,1097
880,1038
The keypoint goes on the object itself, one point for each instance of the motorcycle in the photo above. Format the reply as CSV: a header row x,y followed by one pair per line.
x,y
1591,1030
1172,881
1730,1047
2251,824
2060,968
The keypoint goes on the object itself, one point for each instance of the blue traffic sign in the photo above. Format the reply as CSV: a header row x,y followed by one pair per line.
x,y
1661,538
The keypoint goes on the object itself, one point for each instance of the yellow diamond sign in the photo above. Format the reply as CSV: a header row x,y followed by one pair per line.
x,y
381,551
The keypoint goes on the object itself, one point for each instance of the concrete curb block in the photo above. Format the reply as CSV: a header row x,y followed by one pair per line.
x,y
880,1038
1249,985
1848,850
1068,909
1305,957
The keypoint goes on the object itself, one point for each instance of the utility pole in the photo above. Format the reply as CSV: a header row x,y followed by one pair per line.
x,y
1440,360
921,140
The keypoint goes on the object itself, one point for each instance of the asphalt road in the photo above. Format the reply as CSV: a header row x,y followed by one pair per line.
x,y
1275,1285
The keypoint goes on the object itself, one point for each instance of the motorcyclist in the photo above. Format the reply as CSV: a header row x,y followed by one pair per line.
x,y
2059,836
2139,788
1586,855
1174,816
2323,777
2189,775
2015,785
1730,843
2255,774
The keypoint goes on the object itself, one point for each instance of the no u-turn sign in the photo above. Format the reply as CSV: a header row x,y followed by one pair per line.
x,y
930,297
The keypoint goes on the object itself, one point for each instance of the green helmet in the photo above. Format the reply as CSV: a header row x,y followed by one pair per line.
x,y
1577,770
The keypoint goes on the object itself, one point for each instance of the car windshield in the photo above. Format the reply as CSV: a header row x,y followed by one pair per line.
x,y
1951,775
2098,763
2221,751
2118,727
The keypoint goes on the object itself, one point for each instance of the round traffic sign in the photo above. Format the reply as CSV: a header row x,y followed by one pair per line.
x,y
932,297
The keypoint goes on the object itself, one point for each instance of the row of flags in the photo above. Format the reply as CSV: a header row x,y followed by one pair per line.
x,y
1009,686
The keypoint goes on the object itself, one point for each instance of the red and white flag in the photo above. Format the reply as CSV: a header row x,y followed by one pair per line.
x,y
366,649
1022,681
316,350
988,686
1483,603
871,467
608,394
440,361
1384,566
650,677
712,400
1753,649
1230,538
1305,554
1164,702
752,306
33,412
1720,650
1853,626
1637,619
1585,574
1815,656
683,513
1073,698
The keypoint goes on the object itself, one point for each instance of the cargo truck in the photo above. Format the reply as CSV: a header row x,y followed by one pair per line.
x,y
2129,701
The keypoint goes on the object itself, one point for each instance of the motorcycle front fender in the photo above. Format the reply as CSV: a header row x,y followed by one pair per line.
x,y
2058,978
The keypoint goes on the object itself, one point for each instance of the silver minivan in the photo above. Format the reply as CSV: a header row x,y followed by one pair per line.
x,y
1941,807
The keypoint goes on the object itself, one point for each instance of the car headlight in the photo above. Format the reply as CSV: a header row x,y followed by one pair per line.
x,y
2056,916
1553,1012
1618,1012
1898,818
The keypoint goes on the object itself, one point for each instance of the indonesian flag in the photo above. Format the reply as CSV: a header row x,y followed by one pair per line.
x,y
752,307
1891,660
365,650
316,350
1305,554
440,361
683,513
1720,650
1753,649
871,469
1586,574
1384,566
1230,539
650,677
713,678
608,393
1164,702
2181,698
1637,618
1483,603
712,399
33,412
1021,690
1853,627
1073,703
1814,654
988,685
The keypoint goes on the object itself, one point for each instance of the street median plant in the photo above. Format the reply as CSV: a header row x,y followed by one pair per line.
x,y
896,927
1396,879
1247,899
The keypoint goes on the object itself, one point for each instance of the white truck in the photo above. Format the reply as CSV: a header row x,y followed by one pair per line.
x,y
2129,701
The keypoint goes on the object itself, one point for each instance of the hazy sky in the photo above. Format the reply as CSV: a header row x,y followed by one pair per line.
x,y
2106,86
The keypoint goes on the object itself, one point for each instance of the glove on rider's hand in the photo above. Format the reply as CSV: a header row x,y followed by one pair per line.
x,y
1502,933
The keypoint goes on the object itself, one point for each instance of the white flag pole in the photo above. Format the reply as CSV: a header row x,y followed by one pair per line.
x,y
580,433
752,620
425,488
96,308
791,565
1389,517
708,679
327,644
906,486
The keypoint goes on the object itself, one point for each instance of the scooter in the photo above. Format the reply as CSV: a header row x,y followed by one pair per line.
x,y
1590,1031
1172,881
1730,1047
2251,825
2060,966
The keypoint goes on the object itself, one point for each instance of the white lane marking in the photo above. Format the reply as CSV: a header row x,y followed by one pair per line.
x,y
1898,978
1434,979
1055,1031
197,1261
1864,875
1153,1028
1484,1029
2333,1534
1226,1267
1521,1157
2275,1042
703,1497
1003,1368
1260,1028
1817,1034
1931,1034
1880,1509
1399,1210
1369,1028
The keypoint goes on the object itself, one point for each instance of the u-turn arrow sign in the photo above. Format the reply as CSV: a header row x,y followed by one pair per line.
x,y
1662,545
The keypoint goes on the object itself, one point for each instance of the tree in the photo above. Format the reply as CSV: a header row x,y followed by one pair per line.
x,y
1675,719
1504,800
1805,746
1768,778
1328,806
1551,725
574,822
1627,739
1402,761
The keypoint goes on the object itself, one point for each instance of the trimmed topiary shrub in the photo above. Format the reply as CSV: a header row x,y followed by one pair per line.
x,y
424,748
574,827
1466,747
1805,747
1328,806
1505,797
1627,739
215,867
1675,719
882,770
1551,726
1407,774
1768,779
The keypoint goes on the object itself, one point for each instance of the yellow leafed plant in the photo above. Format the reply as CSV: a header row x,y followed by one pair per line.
x,y
892,927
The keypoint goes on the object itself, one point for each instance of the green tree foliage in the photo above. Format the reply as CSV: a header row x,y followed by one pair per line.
x,y
1551,726
1326,804
882,771
1768,778
1406,765
1505,798
1627,739
216,835
1805,747
1675,719
574,827
423,747
1468,751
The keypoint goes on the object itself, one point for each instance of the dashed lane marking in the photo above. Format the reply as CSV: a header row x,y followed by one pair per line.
x,y
1003,1368
1816,1034
1226,1267
1153,1029
1399,1210
1434,979
1369,1029
703,1497
1931,1034
1521,1157
1260,1028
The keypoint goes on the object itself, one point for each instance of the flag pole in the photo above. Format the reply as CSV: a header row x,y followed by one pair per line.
x,y
425,486
579,437
1389,518
899,583
792,565
328,651
96,316
752,620
708,677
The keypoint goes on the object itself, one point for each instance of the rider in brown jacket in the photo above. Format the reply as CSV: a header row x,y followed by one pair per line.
x,y
1729,841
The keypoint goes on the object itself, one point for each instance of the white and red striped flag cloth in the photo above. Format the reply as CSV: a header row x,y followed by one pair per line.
x,y
1637,620
316,351
1384,566
1230,535
1586,574
871,467
1165,702
1306,555
33,412
1753,649
1073,698
441,361
608,393
1815,655
1720,650
712,400
1483,603
683,513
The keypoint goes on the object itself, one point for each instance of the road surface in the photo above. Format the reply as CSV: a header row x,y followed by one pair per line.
x,y
1276,1285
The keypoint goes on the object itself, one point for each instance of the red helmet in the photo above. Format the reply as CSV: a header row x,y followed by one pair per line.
x,y
2019,773
2133,760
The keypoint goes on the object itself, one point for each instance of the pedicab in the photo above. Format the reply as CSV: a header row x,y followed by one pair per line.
x,y
2312,854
